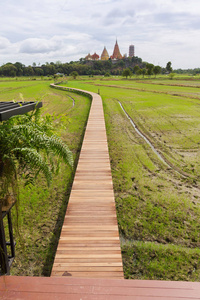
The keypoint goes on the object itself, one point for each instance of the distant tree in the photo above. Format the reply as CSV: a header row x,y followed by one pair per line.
x,y
169,67
39,71
58,63
107,64
157,70
121,63
107,74
48,69
150,68
136,68
171,75
136,59
9,70
143,71
74,74
127,72
139,72
20,68
28,71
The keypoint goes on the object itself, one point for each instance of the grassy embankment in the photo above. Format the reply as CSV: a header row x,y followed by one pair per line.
x,y
158,208
41,210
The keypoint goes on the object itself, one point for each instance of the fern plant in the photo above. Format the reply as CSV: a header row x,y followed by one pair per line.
x,y
28,147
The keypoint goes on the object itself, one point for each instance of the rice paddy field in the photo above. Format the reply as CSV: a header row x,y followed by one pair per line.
x,y
155,169
157,202
41,209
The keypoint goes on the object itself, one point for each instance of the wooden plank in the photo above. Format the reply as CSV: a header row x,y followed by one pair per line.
x,y
87,227
105,274
88,260
72,288
86,268
82,238
91,213
85,264
89,242
87,253
90,234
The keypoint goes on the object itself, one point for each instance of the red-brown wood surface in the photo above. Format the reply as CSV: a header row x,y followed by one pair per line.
x,y
89,244
60,288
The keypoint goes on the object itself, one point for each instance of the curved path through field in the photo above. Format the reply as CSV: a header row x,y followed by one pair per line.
x,y
89,244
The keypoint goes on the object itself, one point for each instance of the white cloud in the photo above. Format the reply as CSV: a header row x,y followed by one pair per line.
x,y
4,43
35,45
67,30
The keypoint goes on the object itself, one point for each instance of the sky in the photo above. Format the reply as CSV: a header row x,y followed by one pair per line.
x,y
40,31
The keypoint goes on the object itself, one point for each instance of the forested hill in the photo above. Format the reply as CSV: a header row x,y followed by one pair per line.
x,y
83,67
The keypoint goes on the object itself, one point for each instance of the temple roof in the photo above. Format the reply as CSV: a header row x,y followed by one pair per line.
x,y
95,56
88,57
105,55
116,52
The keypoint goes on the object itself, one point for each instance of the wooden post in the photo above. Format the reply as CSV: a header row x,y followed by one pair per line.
x,y
12,243
3,249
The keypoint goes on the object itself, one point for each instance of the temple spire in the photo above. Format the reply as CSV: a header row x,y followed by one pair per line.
x,y
104,55
116,52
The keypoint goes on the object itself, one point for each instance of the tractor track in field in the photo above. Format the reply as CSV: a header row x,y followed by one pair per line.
x,y
157,152
72,100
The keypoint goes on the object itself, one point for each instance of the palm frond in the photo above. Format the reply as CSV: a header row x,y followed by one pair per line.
x,y
35,162
29,146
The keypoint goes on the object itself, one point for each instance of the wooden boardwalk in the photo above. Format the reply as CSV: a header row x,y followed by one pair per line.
x,y
89,244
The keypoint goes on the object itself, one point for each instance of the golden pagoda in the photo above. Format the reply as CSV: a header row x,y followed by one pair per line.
x,y
104,55
116,52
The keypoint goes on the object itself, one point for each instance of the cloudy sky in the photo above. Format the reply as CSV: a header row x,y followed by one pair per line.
x,y
64,30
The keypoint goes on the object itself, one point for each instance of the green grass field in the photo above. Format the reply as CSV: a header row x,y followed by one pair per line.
x,y
157,206
41,210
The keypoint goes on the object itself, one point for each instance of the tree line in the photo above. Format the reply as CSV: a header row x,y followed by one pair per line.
x,y
149,70
84,67
195,71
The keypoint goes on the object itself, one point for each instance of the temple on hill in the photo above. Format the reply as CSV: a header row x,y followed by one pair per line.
x,y
105,56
